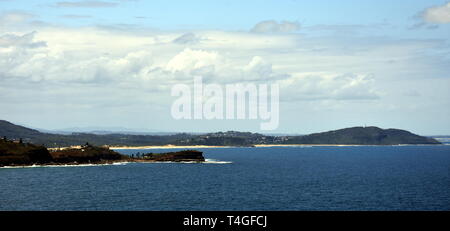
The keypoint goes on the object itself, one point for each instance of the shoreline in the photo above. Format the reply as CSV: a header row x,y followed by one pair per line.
x,y
254,146
166,147
213,146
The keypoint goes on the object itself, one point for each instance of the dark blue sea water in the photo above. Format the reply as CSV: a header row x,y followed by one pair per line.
x,y
277,178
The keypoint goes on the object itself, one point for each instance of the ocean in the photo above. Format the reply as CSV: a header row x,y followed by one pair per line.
x,y
270,178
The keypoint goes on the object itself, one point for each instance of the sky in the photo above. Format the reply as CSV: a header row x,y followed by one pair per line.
x,y
112,63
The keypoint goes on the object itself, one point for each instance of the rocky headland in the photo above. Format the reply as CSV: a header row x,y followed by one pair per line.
x,y
17,153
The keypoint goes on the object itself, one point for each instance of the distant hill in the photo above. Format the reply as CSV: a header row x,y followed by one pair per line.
x,y
364,136
11,130
16,132
355,135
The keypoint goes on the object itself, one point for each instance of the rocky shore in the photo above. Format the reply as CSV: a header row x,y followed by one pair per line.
x,y
181,156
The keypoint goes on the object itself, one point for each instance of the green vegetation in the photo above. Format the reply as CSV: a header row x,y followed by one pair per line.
x,y
363,136
16,153
87,154
13,153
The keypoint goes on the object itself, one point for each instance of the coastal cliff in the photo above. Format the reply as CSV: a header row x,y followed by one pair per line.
x,y
13,153
18,153
87,154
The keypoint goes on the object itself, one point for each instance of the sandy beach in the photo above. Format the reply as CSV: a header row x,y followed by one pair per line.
x,y
206,146
200,146
254,146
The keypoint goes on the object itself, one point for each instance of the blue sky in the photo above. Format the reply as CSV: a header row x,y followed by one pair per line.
x,y
339,63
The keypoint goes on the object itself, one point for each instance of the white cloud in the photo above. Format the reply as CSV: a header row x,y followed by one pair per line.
x,y
272,26
152,60
19,58
259,69
329,87
92,56
215,67
437,14
189,60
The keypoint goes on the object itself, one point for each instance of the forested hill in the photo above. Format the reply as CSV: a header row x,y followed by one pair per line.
x,y
364,136
355,135
11,130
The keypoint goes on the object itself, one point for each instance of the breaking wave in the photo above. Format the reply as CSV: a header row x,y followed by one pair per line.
x,y
214,161
207,161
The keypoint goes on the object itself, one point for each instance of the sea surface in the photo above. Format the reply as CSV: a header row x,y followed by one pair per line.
x,y
271,178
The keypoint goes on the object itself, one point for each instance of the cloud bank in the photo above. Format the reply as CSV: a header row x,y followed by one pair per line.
x,y
437,14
